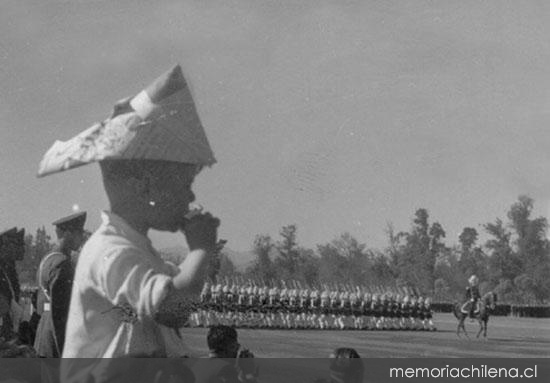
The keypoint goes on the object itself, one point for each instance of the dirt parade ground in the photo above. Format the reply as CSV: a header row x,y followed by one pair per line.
x,y
507,338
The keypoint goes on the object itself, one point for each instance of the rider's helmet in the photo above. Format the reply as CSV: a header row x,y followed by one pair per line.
x,y
473,280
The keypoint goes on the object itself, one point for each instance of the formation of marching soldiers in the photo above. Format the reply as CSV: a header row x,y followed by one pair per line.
x,y
249,305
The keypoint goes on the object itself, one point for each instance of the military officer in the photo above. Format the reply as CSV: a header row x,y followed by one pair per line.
x,y
55,278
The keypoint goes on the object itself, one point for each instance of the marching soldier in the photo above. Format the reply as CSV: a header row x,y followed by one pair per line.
x,y
325,308
366,306
344,310
292,309
315,306
206,294
397,311
356,310
427,309
334,306
217,296
406,313
263,305
388,311
273,303
55,278
200,317
414,312
234,294
253,305
376,309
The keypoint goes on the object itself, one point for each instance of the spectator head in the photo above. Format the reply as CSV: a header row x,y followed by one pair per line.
x,y
222,341
12,245
345,366
14,350
70,230
159,190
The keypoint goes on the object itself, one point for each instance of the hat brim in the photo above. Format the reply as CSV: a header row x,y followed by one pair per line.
x,y
144,127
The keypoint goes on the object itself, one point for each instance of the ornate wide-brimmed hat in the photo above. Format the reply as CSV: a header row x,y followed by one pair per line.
x,y
159,123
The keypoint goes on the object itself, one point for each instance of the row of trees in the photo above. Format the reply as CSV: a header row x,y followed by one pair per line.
x,y
36,246
514,261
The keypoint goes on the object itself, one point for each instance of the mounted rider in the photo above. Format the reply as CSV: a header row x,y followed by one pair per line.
x,y
471,306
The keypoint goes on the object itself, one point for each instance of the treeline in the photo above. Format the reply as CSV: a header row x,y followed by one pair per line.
x,y
514,262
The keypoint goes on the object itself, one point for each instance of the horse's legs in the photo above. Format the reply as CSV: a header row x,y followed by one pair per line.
x,y
464,328
463,325
480,328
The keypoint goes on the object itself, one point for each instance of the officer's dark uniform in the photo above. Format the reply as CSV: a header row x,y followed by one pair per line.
x,y
55,279
9,282
473,296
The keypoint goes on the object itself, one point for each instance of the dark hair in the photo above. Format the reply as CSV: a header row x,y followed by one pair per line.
x,y
345,352
15,239
345,368
220,336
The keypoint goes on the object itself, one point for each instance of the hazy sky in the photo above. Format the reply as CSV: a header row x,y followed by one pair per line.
x,y
334,115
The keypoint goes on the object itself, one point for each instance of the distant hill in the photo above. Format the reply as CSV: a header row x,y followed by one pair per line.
x,y
241,259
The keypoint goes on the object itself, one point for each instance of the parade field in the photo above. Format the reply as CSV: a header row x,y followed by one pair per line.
x,y
507,338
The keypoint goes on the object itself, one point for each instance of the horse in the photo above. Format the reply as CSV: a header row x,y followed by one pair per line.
x,y
486,305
